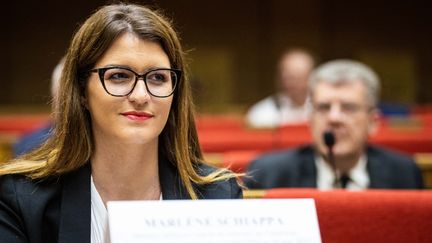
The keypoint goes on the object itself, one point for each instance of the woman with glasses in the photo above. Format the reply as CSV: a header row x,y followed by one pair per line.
x,y
124,130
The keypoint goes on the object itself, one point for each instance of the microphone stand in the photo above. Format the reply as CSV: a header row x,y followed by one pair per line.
x,y
330,140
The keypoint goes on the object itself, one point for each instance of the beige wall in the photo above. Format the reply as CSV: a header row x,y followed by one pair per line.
x,y
234,45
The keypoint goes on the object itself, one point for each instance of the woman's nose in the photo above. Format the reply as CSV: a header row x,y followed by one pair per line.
x,y
140,93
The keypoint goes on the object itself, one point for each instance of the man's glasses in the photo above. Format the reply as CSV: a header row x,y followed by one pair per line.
x,y
345,108
121,81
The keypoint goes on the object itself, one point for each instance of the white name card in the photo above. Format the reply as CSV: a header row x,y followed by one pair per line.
x,y
214,221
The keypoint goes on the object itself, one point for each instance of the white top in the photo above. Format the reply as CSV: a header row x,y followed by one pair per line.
x,y
99,217
359,176
265,113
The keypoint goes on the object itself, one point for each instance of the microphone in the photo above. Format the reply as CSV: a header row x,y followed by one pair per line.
x,y
329,141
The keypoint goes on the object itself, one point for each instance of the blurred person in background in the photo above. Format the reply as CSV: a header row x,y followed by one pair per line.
x,y
34,139
124,129
344,97
290,105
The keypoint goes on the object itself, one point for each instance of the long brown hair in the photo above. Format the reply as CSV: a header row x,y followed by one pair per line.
x,y
71,144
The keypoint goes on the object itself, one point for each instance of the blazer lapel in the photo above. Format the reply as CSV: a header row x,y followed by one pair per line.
x,y
171,184
75,211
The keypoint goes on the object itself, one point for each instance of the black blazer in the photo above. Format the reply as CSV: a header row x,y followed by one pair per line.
x,y
296,168
58,209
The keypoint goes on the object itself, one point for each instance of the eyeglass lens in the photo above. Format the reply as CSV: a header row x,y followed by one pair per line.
x,y
159,82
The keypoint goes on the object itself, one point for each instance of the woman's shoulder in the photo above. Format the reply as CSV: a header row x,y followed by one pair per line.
x,y
23,182
19,189
12,182
219,189
205,169
27,206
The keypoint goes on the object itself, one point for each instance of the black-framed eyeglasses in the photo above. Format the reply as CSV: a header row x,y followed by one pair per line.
x,y
121,81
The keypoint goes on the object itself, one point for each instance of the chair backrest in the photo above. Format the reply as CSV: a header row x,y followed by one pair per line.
x,y
367,216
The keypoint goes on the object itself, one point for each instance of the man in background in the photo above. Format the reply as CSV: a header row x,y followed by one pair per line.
x,y
32,140
344,97
290,104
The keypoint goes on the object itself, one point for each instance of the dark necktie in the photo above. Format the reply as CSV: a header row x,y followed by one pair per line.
x,y
344,179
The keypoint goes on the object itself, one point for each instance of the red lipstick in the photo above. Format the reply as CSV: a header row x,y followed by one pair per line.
x,y
137,115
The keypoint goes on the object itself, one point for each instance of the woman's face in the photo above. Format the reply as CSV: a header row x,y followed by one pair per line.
x,y
139,117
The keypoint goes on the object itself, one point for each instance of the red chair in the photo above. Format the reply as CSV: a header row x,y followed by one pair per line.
x,y
367,216
20,124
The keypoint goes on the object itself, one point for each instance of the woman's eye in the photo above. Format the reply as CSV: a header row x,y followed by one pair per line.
x,y
157,77
119,76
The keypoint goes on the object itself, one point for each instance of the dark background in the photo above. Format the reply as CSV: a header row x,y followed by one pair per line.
x,y
233,45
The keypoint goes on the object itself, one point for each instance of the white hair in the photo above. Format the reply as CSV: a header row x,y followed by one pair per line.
x,y
346,71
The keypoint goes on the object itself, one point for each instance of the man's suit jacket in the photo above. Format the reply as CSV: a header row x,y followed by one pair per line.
x,y
58,209
296,168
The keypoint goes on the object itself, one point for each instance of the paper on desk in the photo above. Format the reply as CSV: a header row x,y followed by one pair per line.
x,y
214,221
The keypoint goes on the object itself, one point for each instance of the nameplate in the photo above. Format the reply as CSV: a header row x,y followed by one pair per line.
x,y
214,221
